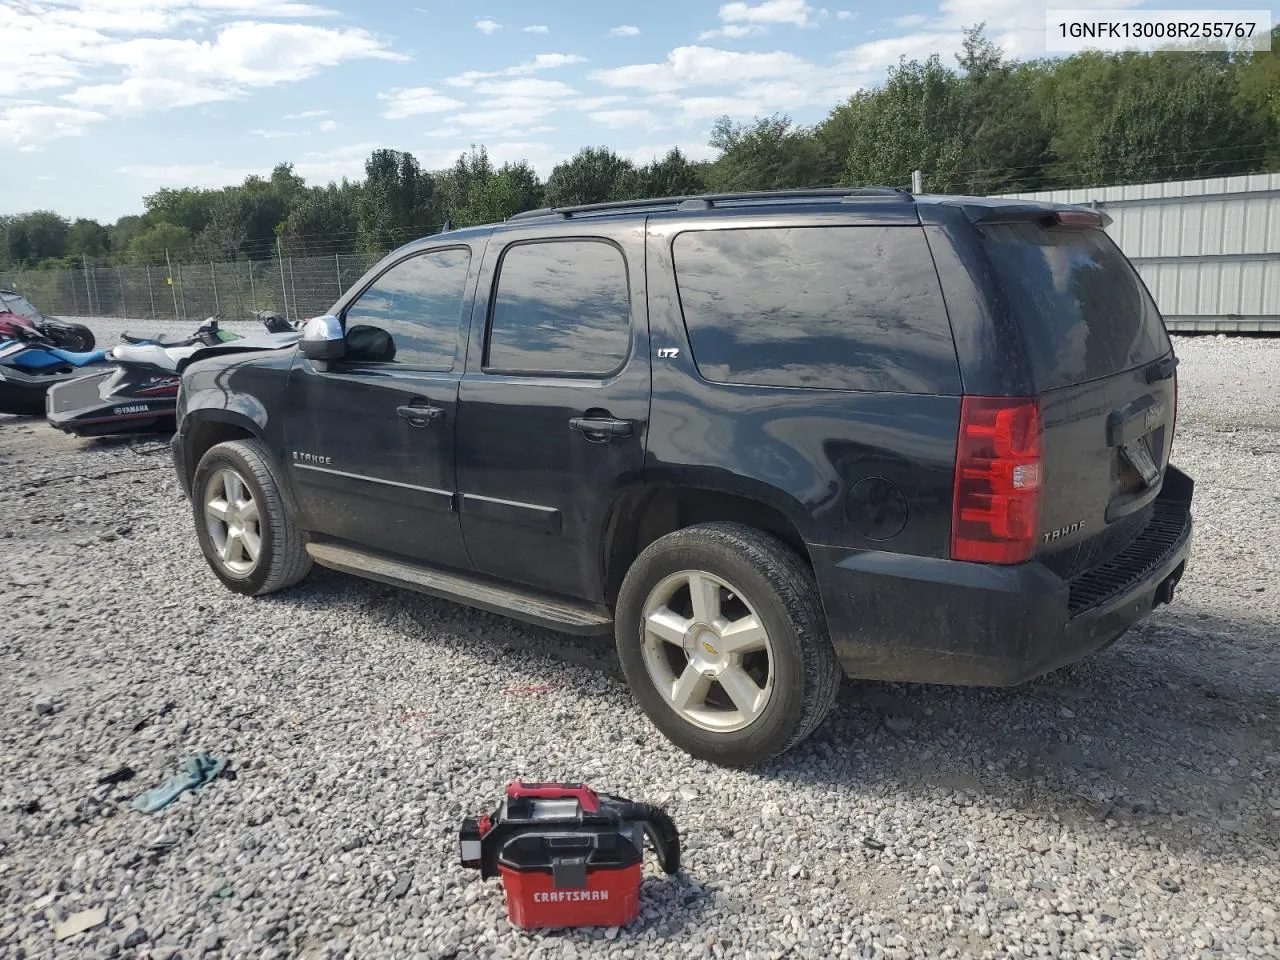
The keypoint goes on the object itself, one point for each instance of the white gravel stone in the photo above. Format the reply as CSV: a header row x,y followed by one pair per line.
x,y
1093,813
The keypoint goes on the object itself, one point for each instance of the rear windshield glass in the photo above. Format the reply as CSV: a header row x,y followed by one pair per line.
x,y
1084,311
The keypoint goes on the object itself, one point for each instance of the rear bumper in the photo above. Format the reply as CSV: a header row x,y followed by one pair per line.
x,y
918,619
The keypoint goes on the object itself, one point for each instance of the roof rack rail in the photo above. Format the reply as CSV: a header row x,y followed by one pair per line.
x,y
708,201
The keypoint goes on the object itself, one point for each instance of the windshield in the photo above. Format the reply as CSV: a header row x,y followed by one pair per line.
x,y
1084,310
13,303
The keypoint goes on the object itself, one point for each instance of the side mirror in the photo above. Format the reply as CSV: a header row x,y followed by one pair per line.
x,y
323,339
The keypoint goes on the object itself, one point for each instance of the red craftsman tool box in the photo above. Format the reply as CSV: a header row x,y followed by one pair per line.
x,y
567,856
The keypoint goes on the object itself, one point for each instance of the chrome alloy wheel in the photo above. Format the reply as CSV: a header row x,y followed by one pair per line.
x,y
235,526
707,651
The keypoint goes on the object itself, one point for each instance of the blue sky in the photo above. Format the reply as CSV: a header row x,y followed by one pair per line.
x,y
103,101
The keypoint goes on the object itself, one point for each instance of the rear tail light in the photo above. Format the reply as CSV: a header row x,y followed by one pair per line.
x,y
999,459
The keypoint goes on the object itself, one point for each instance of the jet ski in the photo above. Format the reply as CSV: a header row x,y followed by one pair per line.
x,y
28,368
20,320
138,392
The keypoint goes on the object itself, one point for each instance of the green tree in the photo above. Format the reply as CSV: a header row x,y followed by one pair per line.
x,y
184,207
324,221
1128,117
396,203
153,244
593,175
671,176
88,238
121,233
511,189
1259,86
769,154
36,236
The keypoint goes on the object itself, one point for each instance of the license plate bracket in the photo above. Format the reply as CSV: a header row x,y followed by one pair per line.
x,y
1138,453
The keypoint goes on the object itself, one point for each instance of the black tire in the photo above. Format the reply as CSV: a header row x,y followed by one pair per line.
x,y
75,337
781,589
282,560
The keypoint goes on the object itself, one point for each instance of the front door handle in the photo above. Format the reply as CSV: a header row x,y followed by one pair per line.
x,y
420,416
601,429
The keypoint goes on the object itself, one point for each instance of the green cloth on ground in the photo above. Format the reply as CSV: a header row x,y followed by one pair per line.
x,y
195,773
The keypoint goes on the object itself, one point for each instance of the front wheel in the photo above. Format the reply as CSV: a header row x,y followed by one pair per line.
x,y
723,641
244,528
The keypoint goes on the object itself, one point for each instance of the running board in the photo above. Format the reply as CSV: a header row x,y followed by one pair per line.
x,y
517,603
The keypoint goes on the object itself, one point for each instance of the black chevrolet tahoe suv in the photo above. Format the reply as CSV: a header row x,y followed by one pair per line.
x,y
764,440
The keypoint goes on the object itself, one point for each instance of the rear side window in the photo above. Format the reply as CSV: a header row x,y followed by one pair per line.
x,y
419,303
561,307
840,308
1084,312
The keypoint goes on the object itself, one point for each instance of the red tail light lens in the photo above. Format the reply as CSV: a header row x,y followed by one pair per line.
x,y
996,509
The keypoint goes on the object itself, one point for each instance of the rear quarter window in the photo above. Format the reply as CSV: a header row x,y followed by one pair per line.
x,y
1083,310
836,308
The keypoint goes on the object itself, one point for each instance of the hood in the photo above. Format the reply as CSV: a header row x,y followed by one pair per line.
x,y
250,344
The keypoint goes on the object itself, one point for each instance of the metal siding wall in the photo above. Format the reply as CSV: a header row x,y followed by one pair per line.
x,y
1208,249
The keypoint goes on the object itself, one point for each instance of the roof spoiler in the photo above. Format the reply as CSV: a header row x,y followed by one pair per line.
x,y
1079,218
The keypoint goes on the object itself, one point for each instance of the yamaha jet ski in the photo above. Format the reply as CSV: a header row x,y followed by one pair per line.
x,y
139,392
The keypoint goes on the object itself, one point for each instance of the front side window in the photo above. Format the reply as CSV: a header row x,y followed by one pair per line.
x,y
411,313
560,307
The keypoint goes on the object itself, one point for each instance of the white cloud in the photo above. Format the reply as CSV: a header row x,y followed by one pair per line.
x,y
488,25
596,103
318,166
771,11
524,87
273,134
28,125
871,58
536,28
733,31
306,115
626,30
543,61
504,118
693,150
413,101
161,73
910,20
625,119
845,15
699,66
328,126
444,133
119,53
191,174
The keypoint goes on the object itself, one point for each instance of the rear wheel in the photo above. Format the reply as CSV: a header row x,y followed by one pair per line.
x,y
723,641
245,531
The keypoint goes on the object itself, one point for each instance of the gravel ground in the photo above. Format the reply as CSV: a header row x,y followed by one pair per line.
x,y
1127,806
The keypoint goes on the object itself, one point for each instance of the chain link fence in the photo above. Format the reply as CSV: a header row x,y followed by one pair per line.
x,y
294,286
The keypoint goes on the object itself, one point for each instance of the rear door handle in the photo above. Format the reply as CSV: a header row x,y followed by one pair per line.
x,y
420,416
601,428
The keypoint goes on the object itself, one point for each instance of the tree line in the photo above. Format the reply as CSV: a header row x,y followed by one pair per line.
x,y
986,125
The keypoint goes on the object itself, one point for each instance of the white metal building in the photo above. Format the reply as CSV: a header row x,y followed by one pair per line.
x,y
1208,249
